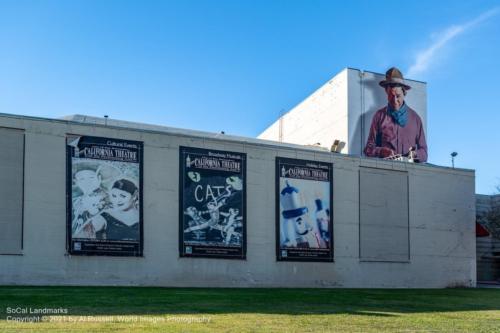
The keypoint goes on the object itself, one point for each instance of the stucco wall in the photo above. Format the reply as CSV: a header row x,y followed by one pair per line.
x,y
441,220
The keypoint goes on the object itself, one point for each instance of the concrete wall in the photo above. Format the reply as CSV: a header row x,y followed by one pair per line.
x,y
441,220
11,190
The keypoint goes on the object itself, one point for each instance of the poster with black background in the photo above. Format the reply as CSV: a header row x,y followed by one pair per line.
x,y
304,215
104,196
212,203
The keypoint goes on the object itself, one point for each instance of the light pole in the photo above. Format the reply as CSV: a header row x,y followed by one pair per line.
x,y
453,155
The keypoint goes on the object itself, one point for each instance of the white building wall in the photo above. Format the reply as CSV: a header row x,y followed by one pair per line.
x,y
320,118
441,203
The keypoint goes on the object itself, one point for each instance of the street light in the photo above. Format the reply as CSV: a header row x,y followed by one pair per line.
x,y
453,155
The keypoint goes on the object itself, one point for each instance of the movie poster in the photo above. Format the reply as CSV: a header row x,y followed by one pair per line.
x,y
304,215
212,210
104,196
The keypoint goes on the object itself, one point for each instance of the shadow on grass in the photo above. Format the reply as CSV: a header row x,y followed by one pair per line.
x,y
103,301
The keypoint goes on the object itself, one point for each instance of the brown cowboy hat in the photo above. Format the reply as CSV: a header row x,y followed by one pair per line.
x,y
394,78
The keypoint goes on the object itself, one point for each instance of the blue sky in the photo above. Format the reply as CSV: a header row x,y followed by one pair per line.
x,y
233,65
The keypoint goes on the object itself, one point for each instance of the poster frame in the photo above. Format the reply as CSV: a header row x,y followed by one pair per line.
x,y
243,172
301,162
69,202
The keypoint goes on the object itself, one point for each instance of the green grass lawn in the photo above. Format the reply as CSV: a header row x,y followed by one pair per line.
x,y
120,309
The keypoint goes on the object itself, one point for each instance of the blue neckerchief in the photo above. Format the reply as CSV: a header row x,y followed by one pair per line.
x,y
400,116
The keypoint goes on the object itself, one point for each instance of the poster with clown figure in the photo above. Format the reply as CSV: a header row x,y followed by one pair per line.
x,y
304,216
212,212
104,196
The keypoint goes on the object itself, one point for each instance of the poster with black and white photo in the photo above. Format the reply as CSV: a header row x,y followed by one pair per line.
x,y
212,203
304,216
104,196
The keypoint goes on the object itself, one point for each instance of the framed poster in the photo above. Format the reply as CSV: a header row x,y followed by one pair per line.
x,y
304,215
104,196
212,203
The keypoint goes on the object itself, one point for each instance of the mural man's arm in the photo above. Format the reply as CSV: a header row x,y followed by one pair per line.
x,y
421,144
371,148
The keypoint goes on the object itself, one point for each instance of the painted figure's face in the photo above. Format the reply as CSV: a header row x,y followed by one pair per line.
x,y
211,206
300,225
120,199
395,97
191,211
87,180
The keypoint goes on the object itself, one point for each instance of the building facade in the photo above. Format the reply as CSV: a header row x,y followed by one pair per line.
x,y
395,224
488,237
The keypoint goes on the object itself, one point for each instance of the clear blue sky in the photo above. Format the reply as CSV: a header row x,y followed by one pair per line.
x,y
233,65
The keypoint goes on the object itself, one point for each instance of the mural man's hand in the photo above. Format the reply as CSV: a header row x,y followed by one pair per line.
x,y
386,152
